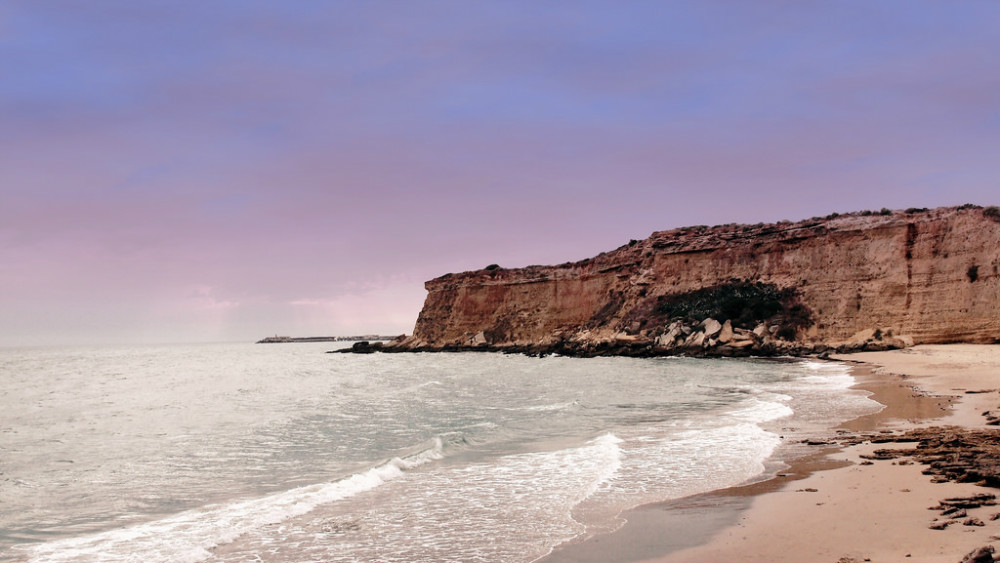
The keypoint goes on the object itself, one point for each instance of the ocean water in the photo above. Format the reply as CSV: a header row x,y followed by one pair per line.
x,y
242,452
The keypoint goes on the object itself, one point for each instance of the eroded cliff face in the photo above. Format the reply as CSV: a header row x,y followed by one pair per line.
x,y
856,280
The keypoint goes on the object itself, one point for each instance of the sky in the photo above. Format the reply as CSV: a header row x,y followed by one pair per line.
x,y
225,170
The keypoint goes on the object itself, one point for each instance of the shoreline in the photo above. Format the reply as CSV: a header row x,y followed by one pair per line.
x,y
836,504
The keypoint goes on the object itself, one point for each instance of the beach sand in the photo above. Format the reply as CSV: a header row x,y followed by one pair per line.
x,y
835,505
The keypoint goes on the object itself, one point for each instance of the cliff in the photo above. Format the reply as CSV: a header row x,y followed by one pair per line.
x,y
855,281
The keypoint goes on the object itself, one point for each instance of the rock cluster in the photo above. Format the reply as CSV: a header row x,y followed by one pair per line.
x,y
950,453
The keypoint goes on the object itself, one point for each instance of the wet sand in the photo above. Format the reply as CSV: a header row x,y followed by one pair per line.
x,y
835,505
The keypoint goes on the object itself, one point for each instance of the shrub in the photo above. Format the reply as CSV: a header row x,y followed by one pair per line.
x,y
969,206
492,267
786,333
867,212
992,212
912,210
972,273
744,303
885,211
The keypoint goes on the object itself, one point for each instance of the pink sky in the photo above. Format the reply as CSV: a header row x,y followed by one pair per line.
x,y
191,171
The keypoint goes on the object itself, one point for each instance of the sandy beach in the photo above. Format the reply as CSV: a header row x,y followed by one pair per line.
x,y
849,501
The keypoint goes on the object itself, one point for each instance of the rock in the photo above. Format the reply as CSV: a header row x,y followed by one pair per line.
x,y
479,339
712,327
973,522
696,340
862,336
726,334
760,331
980,555
664,341
365,347
669,338
959,513
940,525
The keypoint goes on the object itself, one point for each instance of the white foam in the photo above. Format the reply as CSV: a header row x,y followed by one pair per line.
x,y
189,536
521,502
758,411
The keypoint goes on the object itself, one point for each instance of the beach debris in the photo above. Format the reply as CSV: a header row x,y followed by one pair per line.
x,y
995,516
807,490
940,525
973,522
982,554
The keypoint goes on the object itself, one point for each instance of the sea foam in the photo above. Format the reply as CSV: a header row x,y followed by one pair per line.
x,y
191,536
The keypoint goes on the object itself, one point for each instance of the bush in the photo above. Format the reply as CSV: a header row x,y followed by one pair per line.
x,y
969,206
492,267
786,333
885,211
992,212
912,210
744,303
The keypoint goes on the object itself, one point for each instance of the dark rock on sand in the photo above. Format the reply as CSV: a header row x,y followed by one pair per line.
x,y
980,555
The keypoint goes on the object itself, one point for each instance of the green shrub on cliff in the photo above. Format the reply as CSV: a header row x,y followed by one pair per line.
x,y
744,303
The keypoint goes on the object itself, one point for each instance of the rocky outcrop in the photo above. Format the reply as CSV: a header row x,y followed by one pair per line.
x,y
867,280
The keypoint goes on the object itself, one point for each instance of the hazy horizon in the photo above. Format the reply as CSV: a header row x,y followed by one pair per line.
x,y
226,171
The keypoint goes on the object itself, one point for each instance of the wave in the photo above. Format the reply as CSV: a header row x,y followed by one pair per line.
x,y
190,536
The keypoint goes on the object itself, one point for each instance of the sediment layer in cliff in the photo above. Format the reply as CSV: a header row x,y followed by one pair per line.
x,y
865,280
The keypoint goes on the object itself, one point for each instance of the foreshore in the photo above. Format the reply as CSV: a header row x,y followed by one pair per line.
x,y
865,495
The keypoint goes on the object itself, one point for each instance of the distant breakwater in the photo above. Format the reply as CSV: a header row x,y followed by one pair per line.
x,y
287,339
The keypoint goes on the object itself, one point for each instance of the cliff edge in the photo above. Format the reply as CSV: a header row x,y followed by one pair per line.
x,y
865,280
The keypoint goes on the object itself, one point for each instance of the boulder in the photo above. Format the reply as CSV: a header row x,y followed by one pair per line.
x,y
981,555
479,339
726,334
666,340
712,327
695,340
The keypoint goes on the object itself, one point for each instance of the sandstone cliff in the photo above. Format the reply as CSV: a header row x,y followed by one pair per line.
x,y
860,280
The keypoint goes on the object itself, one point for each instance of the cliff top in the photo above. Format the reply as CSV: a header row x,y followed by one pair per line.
x,y
700,238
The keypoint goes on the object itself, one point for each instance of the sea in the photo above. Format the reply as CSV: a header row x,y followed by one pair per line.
x,y
282,453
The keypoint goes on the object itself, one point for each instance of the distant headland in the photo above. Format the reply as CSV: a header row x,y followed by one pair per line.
x,y
868,280
286,339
